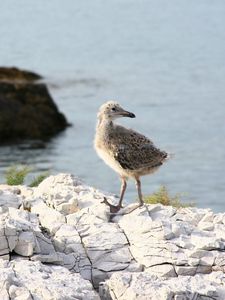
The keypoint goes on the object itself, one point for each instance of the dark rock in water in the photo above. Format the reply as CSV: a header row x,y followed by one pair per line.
x,y
15,74
27,111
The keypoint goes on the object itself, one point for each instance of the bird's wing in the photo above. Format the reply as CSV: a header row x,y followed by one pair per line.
x,y
134,151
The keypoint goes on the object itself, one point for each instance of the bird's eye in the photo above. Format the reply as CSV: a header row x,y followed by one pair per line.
x,y
113,109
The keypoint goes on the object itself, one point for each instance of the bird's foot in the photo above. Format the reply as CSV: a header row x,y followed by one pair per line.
x,y
112,208
141,203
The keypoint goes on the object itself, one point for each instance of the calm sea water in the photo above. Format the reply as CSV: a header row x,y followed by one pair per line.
x,y
163,60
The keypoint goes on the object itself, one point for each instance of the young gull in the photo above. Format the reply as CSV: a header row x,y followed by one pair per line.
x,y
126,151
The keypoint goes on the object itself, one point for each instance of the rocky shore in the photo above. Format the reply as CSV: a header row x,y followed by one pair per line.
x,y
58,241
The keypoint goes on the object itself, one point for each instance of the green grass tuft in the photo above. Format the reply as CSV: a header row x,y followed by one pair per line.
x,y
15,175
37,180
162,196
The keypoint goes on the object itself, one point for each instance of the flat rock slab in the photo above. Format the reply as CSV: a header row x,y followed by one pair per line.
x,y
26,280
143,286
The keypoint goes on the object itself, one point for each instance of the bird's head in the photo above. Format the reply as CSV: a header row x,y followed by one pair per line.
x,y
111,110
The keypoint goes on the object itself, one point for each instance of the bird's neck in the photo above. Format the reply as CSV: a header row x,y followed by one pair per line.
x,y
104,125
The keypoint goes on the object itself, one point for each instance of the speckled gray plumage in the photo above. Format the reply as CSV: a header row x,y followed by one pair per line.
x,y
133,150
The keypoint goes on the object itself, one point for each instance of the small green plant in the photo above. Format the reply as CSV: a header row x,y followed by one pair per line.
x,y
162,196
15,175
37,180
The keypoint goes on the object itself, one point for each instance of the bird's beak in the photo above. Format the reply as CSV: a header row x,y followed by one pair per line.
x,y
128,114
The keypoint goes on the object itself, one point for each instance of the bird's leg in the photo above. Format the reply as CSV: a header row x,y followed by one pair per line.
x,y
116,208
112,208
122,191
138,186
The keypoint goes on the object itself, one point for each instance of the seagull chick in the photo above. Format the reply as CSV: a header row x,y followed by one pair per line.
x,y
126,151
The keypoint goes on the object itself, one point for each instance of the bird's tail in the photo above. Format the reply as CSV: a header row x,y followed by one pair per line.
x,y
170,155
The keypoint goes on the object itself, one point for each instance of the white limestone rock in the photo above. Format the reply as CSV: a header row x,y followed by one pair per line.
x,y
105,236
158,253
208,226
206,240
64,248
89,196
141,224
49,218
45,244
26,243
105,243
208,217
180,258
70,261
186,270
148,238
58,192
191,215
220,231
181,228
143,286
19,190
107,249
89,216
17,232
183,241
219,218
22,220
9,198
158,211
164,270
164,245
67,240
63,222
26,280
19,293
220,259
66,194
